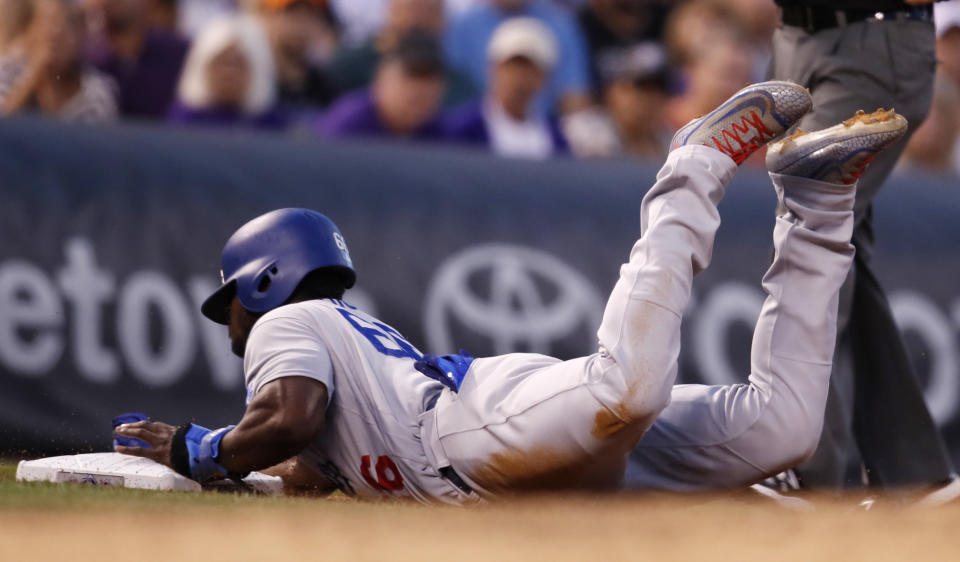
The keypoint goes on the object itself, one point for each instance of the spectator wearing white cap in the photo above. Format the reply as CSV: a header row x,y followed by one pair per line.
x,y
568,88
521,55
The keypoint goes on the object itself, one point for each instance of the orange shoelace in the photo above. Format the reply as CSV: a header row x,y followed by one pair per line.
x,y
748,147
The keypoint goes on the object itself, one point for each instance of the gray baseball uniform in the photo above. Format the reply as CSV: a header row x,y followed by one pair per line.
x,y
728,436
526,421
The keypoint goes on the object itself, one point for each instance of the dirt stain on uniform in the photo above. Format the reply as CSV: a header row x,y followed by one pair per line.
x,y
544,469
617,429
612,422
539,468
608,422
552,469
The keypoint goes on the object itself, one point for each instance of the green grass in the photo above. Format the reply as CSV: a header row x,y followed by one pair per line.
x,y
16,496
8,471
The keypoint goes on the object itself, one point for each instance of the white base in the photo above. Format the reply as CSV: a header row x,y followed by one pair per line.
x,y
114,469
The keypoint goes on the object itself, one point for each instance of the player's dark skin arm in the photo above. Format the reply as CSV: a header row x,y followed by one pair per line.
x,y
280,421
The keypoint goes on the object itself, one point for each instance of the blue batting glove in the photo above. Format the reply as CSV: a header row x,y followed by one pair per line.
x,y
129,441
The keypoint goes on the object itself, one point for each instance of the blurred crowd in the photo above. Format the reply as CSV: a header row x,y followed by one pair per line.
x,y
520,78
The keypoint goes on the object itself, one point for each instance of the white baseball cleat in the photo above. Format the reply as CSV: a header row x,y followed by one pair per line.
x,y
792,503
754,116
837,154
943,495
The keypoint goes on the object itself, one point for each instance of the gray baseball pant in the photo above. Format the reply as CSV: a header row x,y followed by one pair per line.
x,y
733,435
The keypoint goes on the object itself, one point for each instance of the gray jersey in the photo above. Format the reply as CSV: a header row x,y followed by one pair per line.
x,y
370,445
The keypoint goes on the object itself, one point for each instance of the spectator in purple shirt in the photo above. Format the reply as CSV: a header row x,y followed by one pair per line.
x,y
229,78
404,99
145,63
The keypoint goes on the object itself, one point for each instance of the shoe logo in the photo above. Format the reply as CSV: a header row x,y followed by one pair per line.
x,y
854,175
515,298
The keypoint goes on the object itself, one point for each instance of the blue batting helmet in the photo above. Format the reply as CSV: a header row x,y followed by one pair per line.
x,y
265,260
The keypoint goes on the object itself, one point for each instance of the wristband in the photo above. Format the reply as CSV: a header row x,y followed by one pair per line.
x,y
195,451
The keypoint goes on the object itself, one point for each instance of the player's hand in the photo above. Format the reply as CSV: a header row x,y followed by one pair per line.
x,y
158,434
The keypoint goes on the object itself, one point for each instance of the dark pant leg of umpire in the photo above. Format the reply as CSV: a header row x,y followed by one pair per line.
x,y
906,447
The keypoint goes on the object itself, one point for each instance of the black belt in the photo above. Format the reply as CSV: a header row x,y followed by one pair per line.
x,y
451,476
817,18
447,472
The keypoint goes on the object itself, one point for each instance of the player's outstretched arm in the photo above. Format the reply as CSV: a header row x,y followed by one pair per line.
x,y
281,420
279,423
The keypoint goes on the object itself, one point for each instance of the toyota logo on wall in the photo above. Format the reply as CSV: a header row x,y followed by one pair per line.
x,y
499,298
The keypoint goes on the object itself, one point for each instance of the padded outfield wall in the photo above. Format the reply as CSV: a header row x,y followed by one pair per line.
x,y
110,239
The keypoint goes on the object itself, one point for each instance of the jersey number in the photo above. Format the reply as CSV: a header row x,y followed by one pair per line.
x,y
388,477
385,339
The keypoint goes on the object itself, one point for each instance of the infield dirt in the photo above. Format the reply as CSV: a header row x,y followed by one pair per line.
x,y
178,527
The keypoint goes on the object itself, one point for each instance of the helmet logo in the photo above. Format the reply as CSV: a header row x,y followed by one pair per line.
x,y
222,280
342,245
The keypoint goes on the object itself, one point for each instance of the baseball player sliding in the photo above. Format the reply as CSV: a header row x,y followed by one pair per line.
x,y
340,400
